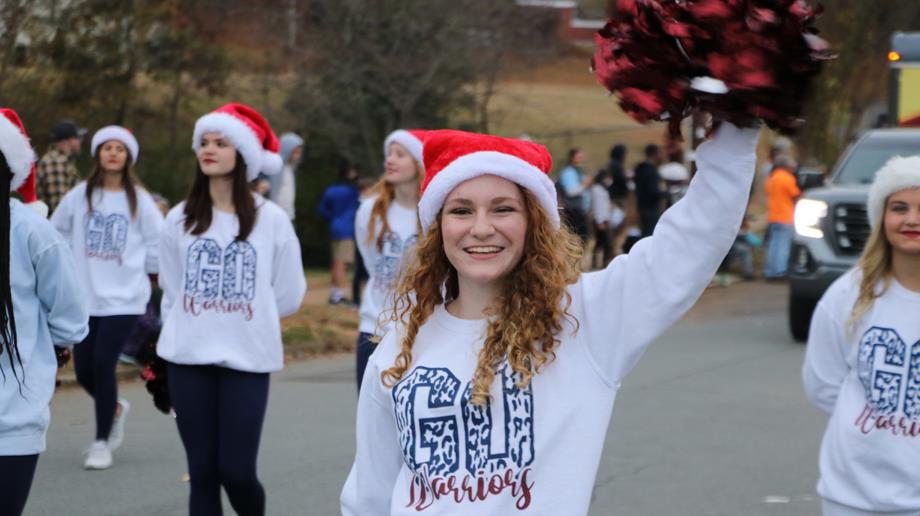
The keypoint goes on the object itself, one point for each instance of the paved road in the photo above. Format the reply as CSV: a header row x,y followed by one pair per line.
x,y
712,422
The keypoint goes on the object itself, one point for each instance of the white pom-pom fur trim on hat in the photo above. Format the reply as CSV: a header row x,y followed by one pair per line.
x,y
896,175
116,132
482,163
407,140
243,138
17,150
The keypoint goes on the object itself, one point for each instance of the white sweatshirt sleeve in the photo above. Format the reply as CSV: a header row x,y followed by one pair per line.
x,y
151,225
170,276
600,204
825,367
62,218
288,281
378,458
640,295
60,293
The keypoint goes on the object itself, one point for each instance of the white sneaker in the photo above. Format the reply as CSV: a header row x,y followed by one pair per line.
x,y
117,434
98,456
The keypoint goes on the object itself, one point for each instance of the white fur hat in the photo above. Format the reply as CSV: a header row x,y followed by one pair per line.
x,y
452,157
896,175
250,134
411,139
118,133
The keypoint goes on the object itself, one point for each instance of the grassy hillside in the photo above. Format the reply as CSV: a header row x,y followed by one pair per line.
x,y
561,106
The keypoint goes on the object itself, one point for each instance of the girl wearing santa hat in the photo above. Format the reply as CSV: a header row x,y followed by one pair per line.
x,y
386,228
230,267
41,306
862,364
493,394
113,226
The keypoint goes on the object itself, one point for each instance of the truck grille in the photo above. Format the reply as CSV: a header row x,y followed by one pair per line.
x,y
850,226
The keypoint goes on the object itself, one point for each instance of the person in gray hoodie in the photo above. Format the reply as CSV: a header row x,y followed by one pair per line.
x,y
283,189
41,306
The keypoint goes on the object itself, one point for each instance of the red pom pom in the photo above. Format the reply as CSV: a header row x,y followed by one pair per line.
x,y
754,58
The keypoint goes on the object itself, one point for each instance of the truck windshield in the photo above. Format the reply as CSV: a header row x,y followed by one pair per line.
x,y
865,160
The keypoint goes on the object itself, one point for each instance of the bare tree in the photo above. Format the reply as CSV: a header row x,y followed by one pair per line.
x,y
380,64
860,33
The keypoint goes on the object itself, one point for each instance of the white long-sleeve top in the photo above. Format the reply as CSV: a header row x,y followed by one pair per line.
x,y
383,265
50,310
422,448
222,297
867,378
114,251
601,207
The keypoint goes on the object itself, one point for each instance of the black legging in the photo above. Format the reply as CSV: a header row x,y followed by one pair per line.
x,y
94,361
16,474
365,348
360,277
219,413
648,219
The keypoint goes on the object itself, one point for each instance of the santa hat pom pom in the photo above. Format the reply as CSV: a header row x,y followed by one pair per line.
x,y
272,163
737,60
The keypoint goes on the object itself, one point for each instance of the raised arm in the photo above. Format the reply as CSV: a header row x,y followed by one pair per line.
x,y
640,295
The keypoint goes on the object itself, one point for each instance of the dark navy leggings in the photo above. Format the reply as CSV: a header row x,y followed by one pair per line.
x,y
94,361
365,348
219,413
16,473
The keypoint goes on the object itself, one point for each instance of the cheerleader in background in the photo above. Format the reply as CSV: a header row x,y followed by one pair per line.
x,y
386,228
113,226
230,267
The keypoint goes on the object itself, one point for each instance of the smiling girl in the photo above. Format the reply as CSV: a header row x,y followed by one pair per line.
x,y
113,227
493,394
230,268
386,228
862,364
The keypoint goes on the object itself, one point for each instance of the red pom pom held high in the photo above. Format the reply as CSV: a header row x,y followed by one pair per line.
x,y
739,60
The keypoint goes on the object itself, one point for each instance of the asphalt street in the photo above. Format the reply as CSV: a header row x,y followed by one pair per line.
x,y
712,422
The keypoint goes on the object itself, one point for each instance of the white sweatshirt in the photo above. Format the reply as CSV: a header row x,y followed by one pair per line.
x,y
421,447
50,310
222,298
114,251
383,266
868,379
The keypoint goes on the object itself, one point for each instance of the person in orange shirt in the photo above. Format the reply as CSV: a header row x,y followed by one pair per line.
x,y
782,191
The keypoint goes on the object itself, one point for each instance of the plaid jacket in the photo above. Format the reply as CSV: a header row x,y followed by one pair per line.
x,y
55,176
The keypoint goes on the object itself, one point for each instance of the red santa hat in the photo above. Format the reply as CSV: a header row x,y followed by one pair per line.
x,y
250,134
897,174
16,149
452,157
411,139
117,133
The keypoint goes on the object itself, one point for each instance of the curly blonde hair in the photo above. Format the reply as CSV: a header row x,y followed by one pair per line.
x,y
528,314
385,193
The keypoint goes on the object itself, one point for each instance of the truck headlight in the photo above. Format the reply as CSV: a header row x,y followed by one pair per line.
x,y
808,216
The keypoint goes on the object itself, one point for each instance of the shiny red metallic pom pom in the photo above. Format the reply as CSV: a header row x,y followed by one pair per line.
x,y
739,60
